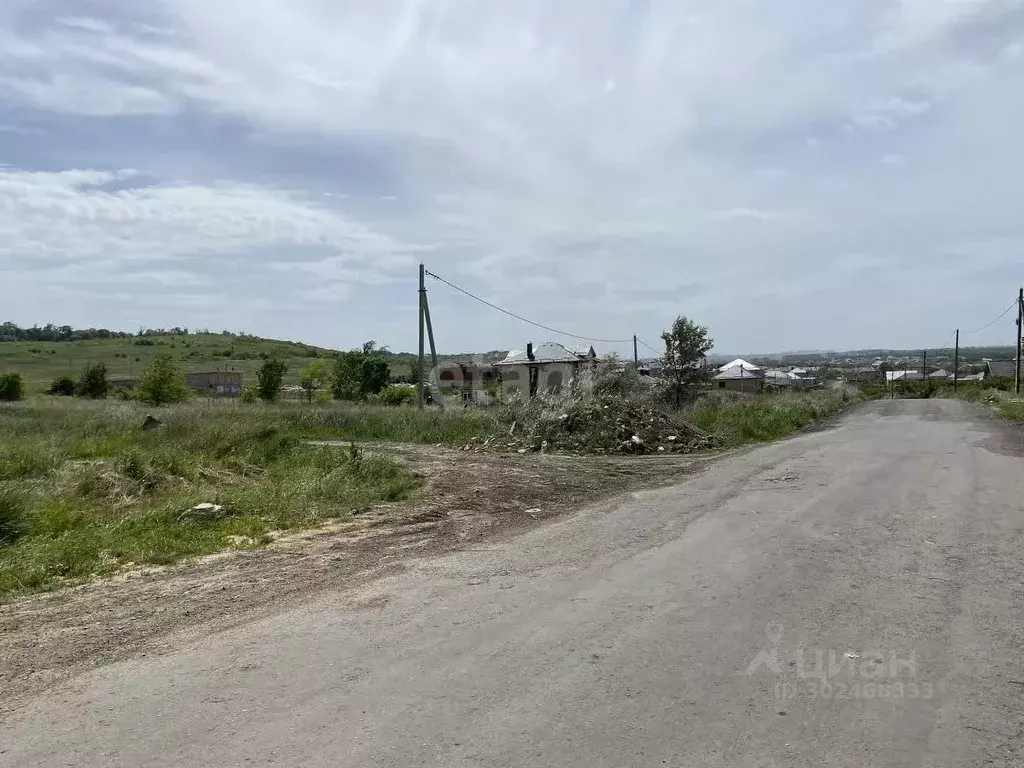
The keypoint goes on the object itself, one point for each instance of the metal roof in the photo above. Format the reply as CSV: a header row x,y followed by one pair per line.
x,y
739,372
739,361
548,352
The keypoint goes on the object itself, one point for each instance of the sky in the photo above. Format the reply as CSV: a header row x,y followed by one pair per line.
x,y
794,174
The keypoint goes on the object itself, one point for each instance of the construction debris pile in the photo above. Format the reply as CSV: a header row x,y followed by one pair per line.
x,y
597,426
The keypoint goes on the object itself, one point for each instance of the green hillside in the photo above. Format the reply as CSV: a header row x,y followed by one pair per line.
x,y
39,360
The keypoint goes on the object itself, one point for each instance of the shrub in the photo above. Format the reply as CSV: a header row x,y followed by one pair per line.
x,y
249,394
162,382
396,394
12,387
269,379
63,386
93,382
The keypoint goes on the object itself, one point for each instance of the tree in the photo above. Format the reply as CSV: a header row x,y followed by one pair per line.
x,y
62,385
269,379
162,382
346,375
93,382
359,373
313,377
686,346
12,387
375,373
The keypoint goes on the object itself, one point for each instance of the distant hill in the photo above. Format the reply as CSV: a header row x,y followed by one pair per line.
x,y
42,353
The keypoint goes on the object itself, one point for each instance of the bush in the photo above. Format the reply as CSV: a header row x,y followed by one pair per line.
x,y
249,394
269,379
12,387
63,386
162,382
93,382
396,394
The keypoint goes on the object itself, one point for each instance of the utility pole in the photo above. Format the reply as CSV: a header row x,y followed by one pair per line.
x,y
956,361
636,354
924,366
1020,319
419,304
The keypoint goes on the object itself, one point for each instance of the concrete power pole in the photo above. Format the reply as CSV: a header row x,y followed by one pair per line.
x,y
636,354
956,361
419,304
1020,319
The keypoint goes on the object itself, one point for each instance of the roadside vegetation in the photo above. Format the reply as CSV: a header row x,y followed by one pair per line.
x,y
995,391
85,489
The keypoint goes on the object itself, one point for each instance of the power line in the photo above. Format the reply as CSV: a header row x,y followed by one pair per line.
x,y
644,343
525,320
945,344
976,330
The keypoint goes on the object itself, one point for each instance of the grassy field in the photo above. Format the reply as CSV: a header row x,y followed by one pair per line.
x,y
42,361
85,490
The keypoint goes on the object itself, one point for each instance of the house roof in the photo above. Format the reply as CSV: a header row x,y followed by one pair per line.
x,y
780,374
548,352
739,361
942,373
739,372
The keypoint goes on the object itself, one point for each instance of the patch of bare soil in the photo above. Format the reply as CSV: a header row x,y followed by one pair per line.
x,y
469,496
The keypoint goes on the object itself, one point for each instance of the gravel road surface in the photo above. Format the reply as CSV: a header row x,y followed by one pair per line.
x,y
850,597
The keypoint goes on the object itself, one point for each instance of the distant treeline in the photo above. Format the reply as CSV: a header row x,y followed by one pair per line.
x,y
50,332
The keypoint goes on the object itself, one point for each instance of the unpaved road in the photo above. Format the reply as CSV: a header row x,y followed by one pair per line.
x,y
682,627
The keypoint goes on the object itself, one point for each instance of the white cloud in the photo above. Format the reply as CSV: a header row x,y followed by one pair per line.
x,y
597,147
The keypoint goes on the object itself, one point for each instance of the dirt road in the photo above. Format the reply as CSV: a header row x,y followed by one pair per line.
x,y
851,597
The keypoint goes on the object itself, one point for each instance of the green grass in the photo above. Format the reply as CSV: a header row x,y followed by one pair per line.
x,y
84,491
738,420
40,362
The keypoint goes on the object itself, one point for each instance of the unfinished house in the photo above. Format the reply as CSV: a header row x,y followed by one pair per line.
x,y
473,381
549,367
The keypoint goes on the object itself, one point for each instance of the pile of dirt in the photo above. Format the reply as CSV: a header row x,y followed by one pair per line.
x,y
597,427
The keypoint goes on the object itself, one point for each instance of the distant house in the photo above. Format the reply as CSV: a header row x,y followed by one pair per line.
x,y
739,362
779,379
865,374
215,382
940,374
739,376
548,367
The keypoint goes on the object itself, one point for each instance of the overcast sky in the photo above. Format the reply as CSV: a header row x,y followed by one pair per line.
x,y
795,174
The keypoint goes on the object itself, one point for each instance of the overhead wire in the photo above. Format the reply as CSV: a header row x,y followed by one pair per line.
x,y
645,344
524,319
989,325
